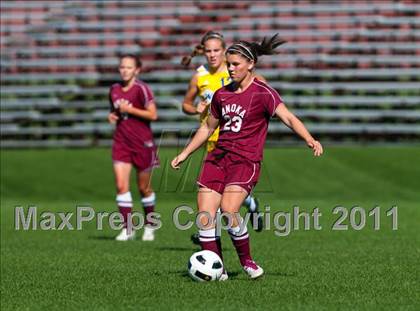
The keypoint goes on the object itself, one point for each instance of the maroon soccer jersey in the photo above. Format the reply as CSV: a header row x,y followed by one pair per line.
x,y
133,131
244,118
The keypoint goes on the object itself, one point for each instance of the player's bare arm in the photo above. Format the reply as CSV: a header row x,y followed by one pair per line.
x,y
188,106
149,113
112,117
200,137
291,121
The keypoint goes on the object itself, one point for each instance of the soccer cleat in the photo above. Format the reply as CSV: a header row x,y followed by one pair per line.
x,y
195,238
148,234
252,269
224,276
125,236
257,223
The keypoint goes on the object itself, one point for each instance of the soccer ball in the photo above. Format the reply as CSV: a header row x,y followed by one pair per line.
x,y
205,266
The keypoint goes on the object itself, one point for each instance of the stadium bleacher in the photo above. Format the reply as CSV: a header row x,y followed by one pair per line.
x,y
350,70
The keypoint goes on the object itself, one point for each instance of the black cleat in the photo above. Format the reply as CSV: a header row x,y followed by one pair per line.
x,y
256,218
195,238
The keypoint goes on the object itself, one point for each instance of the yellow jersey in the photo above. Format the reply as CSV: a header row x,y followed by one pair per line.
x,y
208,84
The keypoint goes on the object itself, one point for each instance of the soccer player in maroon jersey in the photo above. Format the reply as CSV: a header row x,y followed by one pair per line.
x,y
132,109
206,80
243,110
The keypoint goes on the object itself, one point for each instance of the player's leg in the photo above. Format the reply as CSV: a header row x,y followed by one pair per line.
x,y
211,145
124,200
148,201
232,199
208,203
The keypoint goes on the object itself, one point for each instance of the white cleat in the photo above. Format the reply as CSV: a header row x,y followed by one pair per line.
x,y
125,235
148,234
224,277
253,270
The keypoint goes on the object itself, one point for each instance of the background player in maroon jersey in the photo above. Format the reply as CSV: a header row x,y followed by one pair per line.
x,y
132,109
243,110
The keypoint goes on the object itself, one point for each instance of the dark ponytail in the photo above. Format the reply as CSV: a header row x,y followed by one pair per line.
x,y
199,49
251,50
267,45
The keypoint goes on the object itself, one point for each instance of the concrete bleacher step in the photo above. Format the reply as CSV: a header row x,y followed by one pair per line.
x,y
48,143
342,46
185,75
379,74
352,21
172,115
97,115
373,7
230,35
30,90
188,127
176,88
289,61
168,102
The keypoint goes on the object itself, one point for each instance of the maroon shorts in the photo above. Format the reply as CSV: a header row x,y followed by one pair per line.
x,y
144,158
222,169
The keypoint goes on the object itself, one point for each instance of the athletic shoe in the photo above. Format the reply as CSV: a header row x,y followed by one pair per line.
x,y
259,225
252,269
125,236
224,276
195,238
148,234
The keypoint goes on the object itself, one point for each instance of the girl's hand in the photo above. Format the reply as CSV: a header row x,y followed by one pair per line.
x,y
316,147
176,162
125,106
112,118
202,106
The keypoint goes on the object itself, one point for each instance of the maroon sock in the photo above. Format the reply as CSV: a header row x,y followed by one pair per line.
x,y
124,212
148,207
241,243
147,211
219,247
208,241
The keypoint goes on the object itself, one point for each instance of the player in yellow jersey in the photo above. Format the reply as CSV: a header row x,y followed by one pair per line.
x,y
208,79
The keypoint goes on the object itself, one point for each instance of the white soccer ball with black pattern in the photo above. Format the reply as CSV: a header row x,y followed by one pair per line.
x,y
205,266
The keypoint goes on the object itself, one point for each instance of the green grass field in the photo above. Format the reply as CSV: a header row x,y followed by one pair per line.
x,y
306,270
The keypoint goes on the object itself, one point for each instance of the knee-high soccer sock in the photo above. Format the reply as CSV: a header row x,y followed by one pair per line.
x,y
219,247
250,203
125,204
218,237
240,240
210,242
149,207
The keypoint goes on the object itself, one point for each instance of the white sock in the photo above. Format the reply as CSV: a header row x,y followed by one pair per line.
x,y
237,234
124,199
207,235
149,201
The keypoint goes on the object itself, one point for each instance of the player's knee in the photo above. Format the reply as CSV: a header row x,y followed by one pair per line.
x,y
228,207
206,220
145,191
122,187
